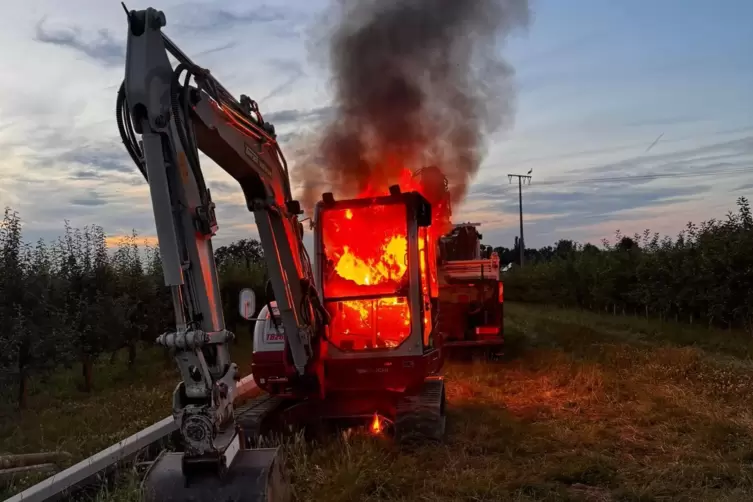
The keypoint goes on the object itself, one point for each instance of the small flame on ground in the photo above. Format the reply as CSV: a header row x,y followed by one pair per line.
x,y
376,425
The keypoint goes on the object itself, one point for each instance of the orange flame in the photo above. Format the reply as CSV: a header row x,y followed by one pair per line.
x,y
376,425
388,266
428,182
366,260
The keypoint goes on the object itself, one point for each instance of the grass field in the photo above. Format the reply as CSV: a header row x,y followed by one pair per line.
x,y
583,407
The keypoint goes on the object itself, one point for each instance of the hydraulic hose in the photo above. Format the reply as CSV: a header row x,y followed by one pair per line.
x,y
125,127
183,133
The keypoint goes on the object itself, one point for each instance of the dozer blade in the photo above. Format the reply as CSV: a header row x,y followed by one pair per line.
x,y
254,476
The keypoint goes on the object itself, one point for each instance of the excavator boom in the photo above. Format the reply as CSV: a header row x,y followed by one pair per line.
x,y
176,120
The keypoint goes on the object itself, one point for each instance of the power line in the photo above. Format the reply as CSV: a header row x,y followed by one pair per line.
x,y
646,177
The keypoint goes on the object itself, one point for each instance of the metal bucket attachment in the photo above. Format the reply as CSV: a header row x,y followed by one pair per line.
x,y
254,476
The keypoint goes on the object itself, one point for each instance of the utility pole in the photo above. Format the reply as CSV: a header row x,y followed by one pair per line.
x,y
521,179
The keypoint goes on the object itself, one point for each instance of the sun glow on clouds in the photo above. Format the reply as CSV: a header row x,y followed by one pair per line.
x,y
115,241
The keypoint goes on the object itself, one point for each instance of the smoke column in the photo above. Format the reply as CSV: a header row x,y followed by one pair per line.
x,y
416,83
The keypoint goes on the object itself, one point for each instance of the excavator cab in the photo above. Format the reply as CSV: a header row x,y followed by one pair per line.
x,y
366,275
375,274
372,274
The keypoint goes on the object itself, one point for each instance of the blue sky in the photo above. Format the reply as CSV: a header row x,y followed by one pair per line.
x,y
597,83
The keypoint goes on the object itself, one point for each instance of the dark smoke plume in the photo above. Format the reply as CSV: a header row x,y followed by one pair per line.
x,y
416,83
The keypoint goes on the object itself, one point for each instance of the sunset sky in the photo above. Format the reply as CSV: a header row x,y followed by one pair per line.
x,y
598,82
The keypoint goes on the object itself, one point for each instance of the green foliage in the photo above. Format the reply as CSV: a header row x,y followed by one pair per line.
x,y
76,300
244,251
704,275
240,265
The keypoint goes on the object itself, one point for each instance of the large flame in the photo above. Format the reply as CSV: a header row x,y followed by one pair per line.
x,y
387,266
429,182
365,251
366,263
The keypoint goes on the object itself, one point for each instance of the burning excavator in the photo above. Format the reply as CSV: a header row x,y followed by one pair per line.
x,y
350,338
357,335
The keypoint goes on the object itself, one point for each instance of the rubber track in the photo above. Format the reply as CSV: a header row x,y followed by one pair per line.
x,y
250,416
422,417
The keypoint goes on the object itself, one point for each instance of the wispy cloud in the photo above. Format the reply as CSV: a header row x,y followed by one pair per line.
x,y
292,69
92,199
744,187
203,17
728,154
291,116
220,186
85,174
638,189
103,47
214,50
666,120
101,158
576,202
633,149
737,153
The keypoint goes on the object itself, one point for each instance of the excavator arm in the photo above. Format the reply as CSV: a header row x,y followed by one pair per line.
x,y
176,120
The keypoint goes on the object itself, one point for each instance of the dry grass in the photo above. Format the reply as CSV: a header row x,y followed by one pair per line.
x,y
585,407
60,417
